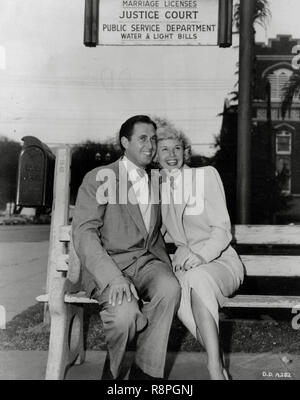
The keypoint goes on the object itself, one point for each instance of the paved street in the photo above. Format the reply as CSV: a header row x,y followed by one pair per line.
x,y
23,266
21,233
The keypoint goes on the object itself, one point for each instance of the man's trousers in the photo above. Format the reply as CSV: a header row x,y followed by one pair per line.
x,y
149,323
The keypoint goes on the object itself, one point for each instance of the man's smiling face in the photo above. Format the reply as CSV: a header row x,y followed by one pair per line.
x,y
141,147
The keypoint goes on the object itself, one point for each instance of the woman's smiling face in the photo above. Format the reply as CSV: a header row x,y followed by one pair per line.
x,y
170,153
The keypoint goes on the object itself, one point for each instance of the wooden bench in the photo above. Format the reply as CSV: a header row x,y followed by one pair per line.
x,y
66,299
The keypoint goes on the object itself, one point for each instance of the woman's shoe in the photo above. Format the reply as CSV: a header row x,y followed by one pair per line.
x,y
225,372
226,375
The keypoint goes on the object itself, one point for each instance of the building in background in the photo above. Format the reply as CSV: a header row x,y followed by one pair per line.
x,y
273,69
275,141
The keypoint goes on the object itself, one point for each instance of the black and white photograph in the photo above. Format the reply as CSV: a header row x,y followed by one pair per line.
x,y
149,193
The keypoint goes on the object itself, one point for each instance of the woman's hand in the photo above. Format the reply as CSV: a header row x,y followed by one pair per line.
x,y
193,261
185,259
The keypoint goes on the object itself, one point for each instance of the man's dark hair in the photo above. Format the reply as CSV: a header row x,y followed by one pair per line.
x,y
127,128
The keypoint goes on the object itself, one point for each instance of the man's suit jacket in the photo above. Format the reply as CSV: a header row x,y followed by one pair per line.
x,y
110,237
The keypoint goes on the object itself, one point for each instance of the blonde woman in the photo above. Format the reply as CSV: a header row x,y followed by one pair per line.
x,y
207,267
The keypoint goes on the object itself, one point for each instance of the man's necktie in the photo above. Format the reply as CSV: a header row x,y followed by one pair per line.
x,y
141,172
143,182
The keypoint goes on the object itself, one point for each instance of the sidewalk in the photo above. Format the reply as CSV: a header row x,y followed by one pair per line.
x,y
23,274
31,365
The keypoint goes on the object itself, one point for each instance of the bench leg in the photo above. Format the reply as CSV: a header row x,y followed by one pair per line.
x,y
76,342
80,350
66,341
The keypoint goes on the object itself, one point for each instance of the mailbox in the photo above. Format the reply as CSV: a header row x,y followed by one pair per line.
x,y
35,174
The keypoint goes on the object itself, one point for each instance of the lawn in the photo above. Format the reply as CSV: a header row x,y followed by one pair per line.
x,y
241,331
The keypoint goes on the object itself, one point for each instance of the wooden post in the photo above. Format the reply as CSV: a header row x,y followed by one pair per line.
x,y
245,110
61,192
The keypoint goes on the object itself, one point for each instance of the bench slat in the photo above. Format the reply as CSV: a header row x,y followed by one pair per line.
x,y
43,298
267,234
79,297
73,298
248,301
243,234
244,301
287,266
276,266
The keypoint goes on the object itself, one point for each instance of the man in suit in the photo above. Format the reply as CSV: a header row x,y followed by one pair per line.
x,y
125,263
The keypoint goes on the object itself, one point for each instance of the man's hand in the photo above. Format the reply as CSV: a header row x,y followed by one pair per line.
x,y
119,287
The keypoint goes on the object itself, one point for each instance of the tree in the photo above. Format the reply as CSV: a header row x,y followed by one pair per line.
x,y
261,15
266,188
9,156
87,156
225,158
266,198
290,91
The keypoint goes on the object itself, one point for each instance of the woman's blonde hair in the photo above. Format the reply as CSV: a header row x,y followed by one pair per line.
x,y
166,130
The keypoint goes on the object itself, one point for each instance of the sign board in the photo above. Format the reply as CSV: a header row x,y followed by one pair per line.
x,y
158,22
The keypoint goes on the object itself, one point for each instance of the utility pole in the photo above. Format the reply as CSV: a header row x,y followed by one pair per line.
x,y
246,54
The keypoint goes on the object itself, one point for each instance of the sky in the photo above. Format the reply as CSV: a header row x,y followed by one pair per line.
x,y
284,20
55,88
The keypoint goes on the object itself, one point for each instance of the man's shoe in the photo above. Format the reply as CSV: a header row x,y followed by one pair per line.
x,y
108,376
136,374
106,373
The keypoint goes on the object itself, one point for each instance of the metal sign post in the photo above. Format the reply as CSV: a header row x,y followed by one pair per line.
x,y
225,23
91,23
